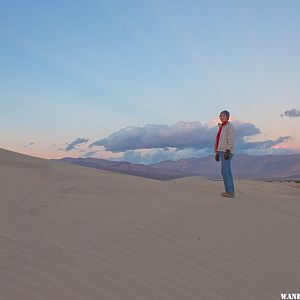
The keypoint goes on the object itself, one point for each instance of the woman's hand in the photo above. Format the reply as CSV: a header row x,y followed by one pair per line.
x,y
227,154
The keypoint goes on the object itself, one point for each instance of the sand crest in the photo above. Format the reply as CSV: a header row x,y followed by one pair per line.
x,y
70,232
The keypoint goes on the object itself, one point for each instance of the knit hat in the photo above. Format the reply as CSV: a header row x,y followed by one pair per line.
x,y
226,113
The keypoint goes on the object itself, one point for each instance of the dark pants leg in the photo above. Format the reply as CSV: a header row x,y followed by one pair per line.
x,y
226,172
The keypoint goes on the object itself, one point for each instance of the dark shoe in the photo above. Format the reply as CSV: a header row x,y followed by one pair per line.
x,y
229,195
217,157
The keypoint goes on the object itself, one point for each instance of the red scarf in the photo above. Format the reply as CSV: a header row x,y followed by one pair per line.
x,y
219,133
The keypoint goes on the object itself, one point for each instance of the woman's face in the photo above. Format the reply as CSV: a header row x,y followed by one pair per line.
x,y
223,118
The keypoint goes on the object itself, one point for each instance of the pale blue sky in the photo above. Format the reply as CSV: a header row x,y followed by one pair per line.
x,y
87,69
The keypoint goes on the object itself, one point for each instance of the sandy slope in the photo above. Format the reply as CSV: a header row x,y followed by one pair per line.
x,y
70,232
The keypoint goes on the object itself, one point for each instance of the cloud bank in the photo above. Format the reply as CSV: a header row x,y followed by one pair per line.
x,y
70,146
28,145
153,143
181,135
293,113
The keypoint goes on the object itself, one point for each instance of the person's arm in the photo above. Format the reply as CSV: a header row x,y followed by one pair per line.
x,y
230,138
215,147
217,157
230,141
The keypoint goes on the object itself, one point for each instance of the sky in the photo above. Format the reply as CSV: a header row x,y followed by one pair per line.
x,y
144,81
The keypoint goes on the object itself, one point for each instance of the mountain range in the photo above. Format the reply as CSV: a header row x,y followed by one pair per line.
x,y
260,167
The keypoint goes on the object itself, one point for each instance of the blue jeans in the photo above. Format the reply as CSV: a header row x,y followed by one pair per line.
x,y
226,172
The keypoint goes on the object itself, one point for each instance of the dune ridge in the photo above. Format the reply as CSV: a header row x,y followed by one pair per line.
x,y
71,232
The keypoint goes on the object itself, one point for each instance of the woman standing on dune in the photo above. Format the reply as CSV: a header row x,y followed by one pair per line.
x,y
224,147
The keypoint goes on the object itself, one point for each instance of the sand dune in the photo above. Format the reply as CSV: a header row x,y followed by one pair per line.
x,y
70,232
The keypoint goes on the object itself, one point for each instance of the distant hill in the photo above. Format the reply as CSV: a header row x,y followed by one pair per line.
x,y
261,167
243,166
141,170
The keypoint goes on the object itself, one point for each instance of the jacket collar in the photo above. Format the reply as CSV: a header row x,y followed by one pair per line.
x,y
220,124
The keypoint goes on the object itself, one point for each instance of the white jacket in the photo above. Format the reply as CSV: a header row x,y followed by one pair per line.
x,y
227,138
